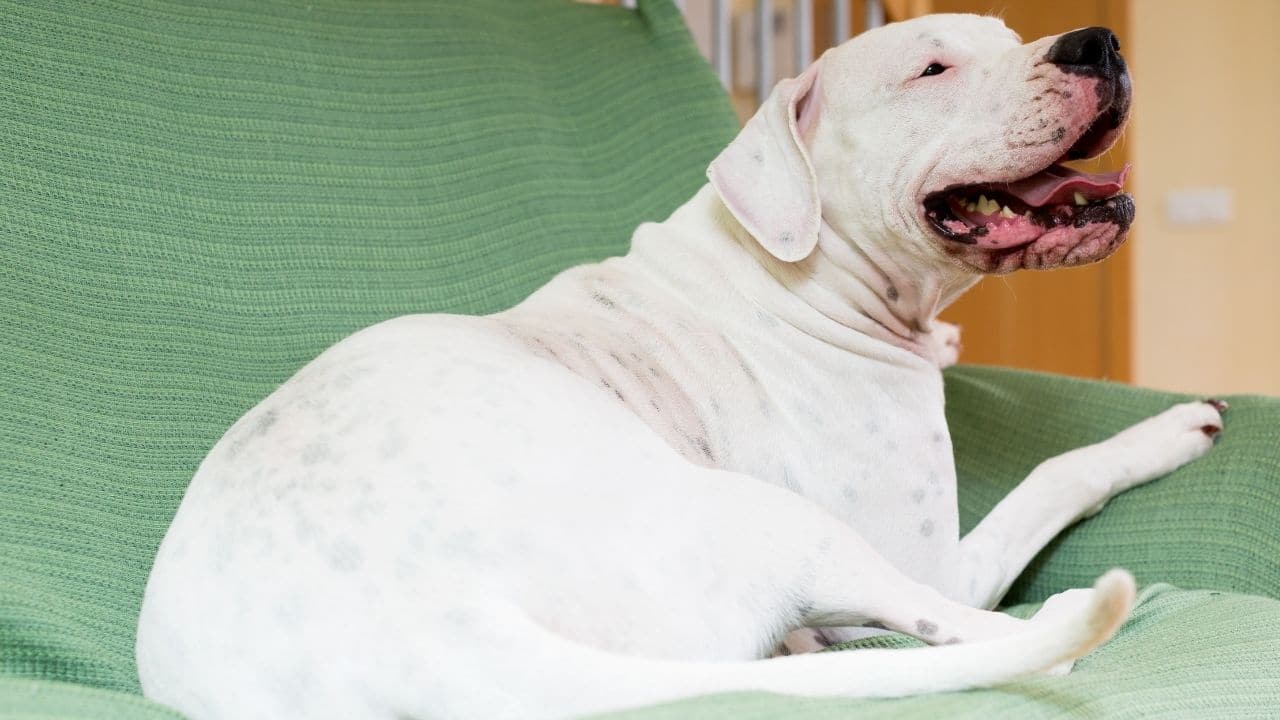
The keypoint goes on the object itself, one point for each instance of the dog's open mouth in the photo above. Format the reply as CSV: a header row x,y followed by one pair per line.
x,y
1055,216
1002,216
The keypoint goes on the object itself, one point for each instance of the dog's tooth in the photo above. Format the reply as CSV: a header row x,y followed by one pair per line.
x,y
971,207
1005,212
1027,214
1080,199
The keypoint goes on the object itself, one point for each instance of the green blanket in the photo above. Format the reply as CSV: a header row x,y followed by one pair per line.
x,y
198,197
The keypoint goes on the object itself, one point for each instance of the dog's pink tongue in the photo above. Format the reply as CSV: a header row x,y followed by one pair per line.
x,y
1059,184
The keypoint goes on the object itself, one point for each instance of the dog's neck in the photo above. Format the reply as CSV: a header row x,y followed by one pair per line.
x,y
847,293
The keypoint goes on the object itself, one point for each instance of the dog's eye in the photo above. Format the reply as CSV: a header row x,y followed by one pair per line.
x,y
934,69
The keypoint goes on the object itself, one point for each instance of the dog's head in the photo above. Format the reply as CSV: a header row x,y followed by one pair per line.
x,y
940,140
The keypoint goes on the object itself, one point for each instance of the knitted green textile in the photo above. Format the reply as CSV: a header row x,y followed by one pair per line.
x,y
22,699
196,198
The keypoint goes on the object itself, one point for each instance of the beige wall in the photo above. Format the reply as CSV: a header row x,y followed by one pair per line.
x,y
1207,114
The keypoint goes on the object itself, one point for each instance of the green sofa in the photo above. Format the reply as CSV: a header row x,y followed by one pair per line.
x,y
198,197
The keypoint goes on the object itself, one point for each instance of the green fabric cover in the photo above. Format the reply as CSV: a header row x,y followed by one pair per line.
x,y
198,197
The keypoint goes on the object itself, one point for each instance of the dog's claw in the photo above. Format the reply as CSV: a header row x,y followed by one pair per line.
x,y
1221,406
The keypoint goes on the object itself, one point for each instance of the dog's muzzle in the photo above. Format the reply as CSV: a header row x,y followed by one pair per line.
x,y
1095,52
1051,206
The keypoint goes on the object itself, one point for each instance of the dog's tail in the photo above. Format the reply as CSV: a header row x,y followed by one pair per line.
x,y
576,680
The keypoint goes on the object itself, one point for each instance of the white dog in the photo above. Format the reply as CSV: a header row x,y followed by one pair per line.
x,y
632,486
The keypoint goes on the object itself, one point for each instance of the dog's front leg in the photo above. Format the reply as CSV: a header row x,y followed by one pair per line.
x,y
1073,486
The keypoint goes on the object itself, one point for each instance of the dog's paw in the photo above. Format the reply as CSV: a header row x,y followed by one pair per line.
x,y
802,642
943,342
1176,436
1159,445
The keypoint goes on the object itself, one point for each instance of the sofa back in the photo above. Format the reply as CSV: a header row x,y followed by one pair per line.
x,y
196,198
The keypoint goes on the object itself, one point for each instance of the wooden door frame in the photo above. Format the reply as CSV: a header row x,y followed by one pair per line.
x,y
1118,269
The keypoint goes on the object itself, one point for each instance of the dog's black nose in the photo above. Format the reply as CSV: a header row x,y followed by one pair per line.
x,y
1091,51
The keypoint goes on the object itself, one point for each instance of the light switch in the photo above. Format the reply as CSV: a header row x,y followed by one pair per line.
x,y
1200,206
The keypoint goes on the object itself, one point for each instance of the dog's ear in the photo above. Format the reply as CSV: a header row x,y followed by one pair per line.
x,y
765,178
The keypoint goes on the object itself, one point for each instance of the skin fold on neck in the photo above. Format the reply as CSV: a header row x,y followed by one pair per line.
x,y
845,293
